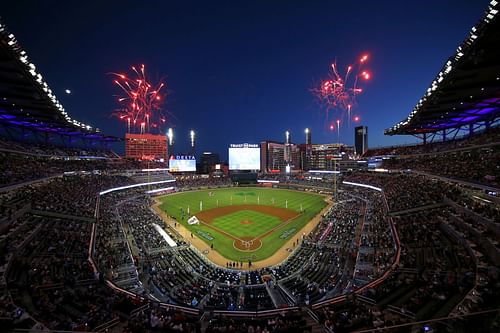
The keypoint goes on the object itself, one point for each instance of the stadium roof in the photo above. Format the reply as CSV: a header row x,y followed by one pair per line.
x,y
26,101
467,89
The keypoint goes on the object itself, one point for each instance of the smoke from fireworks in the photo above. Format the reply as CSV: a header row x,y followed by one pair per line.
x,y
339,90
140,103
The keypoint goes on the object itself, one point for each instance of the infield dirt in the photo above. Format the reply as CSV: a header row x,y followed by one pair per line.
x,y
247,243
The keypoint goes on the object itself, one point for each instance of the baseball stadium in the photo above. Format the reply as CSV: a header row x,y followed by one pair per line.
x,y
230,226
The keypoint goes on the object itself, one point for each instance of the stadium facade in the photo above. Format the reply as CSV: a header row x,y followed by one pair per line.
x,y
29,109
464,97
146,147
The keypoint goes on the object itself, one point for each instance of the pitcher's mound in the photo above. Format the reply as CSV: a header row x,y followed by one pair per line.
x,y
245,222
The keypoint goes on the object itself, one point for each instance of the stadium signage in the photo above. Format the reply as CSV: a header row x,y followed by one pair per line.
x,y
287,233
244,145
205,235
182,163
182,157
148,157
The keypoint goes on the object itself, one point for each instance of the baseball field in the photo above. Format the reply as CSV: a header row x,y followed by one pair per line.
x,y
244,223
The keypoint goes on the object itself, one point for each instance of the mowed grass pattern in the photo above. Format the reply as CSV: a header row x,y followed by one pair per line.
x,y
177,205
258,223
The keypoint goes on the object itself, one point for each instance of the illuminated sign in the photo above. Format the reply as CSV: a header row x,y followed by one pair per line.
x,y
182,157
182,163
244,145
244,156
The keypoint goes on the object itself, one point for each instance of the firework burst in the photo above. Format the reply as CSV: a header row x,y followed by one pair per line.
x,y
140,103
338,92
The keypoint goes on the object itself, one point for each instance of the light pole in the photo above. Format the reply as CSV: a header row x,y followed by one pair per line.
x,y
192,137
349,108
170,135
338,131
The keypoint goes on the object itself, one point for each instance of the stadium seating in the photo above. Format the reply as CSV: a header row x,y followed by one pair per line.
x,y
446,236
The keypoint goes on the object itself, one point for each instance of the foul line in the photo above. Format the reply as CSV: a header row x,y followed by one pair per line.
x,y
220,230
259,237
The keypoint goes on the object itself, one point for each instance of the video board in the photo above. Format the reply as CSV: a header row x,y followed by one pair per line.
x,y
244,156
182,163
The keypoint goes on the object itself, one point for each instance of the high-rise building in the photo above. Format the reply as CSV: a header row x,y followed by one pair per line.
x,y
272,156
361,139
275,156
321,156
208,160
146,147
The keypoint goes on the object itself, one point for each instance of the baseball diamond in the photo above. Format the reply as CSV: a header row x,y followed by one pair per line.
x,y
244,221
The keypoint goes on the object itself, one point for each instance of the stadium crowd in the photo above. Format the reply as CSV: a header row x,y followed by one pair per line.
x,y
486,138
445,264
45,234
437,268
22,163
479,165
194,182
473,158
54,151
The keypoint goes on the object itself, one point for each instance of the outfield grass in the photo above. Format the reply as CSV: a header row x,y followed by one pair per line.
x,y
310,204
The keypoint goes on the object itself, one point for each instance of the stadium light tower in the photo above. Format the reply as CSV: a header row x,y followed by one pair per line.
x,y
308,136
338,131
287,152
192,136
170,135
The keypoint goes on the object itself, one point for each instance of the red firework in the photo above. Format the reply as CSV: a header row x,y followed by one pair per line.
x,y
338,92
141,104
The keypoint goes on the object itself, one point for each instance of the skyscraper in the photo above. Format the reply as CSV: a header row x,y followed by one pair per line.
x,y
208,160
361,139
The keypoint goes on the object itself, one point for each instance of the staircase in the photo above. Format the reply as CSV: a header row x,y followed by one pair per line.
x,y
276,297
312,321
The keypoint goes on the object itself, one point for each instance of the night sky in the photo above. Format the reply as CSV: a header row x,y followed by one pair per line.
x,y
241,71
